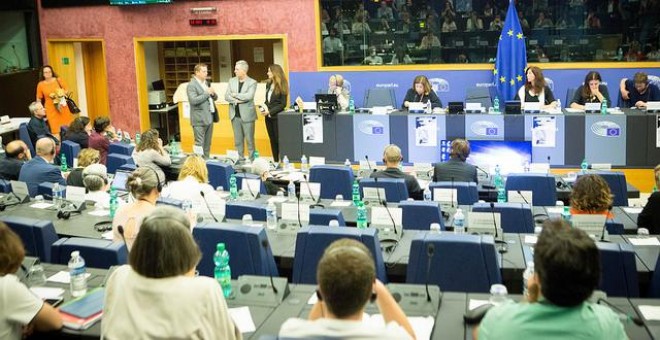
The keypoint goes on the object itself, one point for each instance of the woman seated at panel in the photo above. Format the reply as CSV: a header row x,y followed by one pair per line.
x,y
536,90
340,87
193,179
150,152
421,92
649,218
591,91
144,187
157,295
86,157
591,196
79,131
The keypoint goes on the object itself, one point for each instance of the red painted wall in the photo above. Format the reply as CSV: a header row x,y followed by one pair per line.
x,y
117,26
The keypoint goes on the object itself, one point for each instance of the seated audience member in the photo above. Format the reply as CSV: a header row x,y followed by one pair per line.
x,y
401,56
392,157
340,87
79,131
193,179
448,24
429,41
38,125
384,12
497,24
542,21
86,157
150,152
40,168
16,154
566,272
456,169
421,92
346,278
591,195
638,91
22,311
649,218
332,49
373,58
143,185
261,168
360,26
591,91
102,136
157,295
474,23
95,178
536,90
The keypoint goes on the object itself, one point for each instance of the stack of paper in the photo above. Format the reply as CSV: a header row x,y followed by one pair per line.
x,y
84,311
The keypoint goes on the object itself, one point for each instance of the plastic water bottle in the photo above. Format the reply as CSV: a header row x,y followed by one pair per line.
x,y
77,274
291,190
361,216
496,105
64,167
498,175
57,194
351,105
527,274
271,216
498,294
304,166
559,104
584,166
429,108
233,190
603,107
435,228
427,195
113,202
347,162
566,214
285,162
356,193
138,138
459,222
120,135
256,154
222,272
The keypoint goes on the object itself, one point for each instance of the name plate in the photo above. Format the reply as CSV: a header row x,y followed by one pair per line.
x,y
591,107
520,196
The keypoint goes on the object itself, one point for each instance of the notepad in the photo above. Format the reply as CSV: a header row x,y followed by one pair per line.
x,y
243,319
650,312
644,241
86,306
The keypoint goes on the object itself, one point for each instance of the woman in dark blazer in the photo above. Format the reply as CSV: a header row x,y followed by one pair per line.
x,y
422,92
277,89
591,91
79,131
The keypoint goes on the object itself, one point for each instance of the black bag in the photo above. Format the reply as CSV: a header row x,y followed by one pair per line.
x,y
73,107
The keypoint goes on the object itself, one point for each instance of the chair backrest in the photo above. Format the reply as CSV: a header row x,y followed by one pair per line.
x,y
618,269
419,215
542,185
654,287
379,96
37,235
334,180
116,160
324,216
239,182
395,188
478,95
128,167
466,192
459,263
24,135
70,150
515,217
249,250
5,186
570,92
236,209
45,189
97,253
121,148
219,174
311,242
617,182
63,130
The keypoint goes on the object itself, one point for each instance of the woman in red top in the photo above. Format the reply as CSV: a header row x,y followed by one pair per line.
x,y
47,93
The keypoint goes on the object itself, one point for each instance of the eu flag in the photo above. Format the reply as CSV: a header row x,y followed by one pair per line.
x,y
509,72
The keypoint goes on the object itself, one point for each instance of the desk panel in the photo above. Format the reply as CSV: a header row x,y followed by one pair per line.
x,y
605,139
371,134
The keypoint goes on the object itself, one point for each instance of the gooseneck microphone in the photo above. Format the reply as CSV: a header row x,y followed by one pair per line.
x,y
120,229
369,163
430,250
264,243
452,192
247,184
503,245
298,200
523,197
607,217
201,192
635,319
309,190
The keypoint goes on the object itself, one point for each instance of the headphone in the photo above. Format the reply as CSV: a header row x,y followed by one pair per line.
x,y
159,186
65,214
103,226
105,179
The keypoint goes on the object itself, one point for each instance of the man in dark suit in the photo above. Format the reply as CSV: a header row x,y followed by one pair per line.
x,y
38,126
201,97
40,169
16,154
392,157
240,95
455,169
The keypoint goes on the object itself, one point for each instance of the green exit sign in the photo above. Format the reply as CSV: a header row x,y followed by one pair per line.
x,y
65,61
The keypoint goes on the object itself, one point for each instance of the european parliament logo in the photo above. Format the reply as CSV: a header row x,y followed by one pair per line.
x,y
606,128
485,128
439,85
372,127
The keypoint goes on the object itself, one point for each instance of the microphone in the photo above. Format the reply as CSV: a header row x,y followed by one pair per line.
x,y
384,204
6,204
607,217
482,170
309,190
120,229
298,200
637,320
452,192
369,163
264,243
247,184
503,246
523,197
430,250
201,192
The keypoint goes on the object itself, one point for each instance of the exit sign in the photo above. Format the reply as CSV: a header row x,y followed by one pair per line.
x,y
203,22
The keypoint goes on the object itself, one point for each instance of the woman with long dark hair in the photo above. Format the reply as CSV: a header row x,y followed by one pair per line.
x,y
591,91
277,89
150,152
536,90
79,131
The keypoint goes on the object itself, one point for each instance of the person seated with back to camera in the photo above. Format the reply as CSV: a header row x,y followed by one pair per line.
x,y
456,169
101,137
144,187
566,272
649,218
86,157
261,168
421,92
193,179
392,157
16,154
40,169
346,277
79,131
95,178
150,152
591,195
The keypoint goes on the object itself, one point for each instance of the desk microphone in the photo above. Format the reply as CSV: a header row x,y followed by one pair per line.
x,y
503,246
309,190
482,170
523,197
298,200
247,184
607,217
452,192
120,229
430,250
369,163
4,203
201,192
264,243
637,320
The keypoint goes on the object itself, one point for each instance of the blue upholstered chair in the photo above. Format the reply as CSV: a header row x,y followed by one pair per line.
x,y
466,192
97,253
618,269
311,242
654,287
236,209
334,180
324,216
219,174
395,188
419,215
543,186
248,246
128,167
37,235
239,182
515,217
5,186
45,189
70,150
116,160
570,92
24,135
617,182
379,96
121,148
459,263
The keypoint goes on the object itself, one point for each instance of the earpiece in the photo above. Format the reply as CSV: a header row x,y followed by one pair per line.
x,y
63,215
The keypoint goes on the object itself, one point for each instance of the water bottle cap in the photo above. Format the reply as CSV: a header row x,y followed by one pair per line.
x,y
642,231
334,223
498,289
75,253
530,264
220,246
435,226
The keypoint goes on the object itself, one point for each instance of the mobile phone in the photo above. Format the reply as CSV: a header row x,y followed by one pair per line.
x,y
55,302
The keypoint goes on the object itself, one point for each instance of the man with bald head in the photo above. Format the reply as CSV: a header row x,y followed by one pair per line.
x,y
16,154
40,168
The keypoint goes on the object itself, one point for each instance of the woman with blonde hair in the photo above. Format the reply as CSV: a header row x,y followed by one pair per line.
x,y
277,88
536,90
150,152
86,157
193,178
591,195
421,92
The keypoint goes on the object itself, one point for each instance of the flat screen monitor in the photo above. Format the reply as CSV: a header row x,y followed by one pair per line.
x,y
511,156
138,2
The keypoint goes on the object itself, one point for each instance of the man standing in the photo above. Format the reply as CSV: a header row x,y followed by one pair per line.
x,y
201,96
638,91
40,169
240,95
16,154
392,157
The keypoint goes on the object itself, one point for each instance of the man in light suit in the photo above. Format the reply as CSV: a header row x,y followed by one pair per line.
x,y
240,95
201,97
41,169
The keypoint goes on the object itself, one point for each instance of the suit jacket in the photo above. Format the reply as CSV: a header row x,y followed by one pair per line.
x,y
276,104
414,190
248,113
200,108
649,218
412,96
37,128
37,171
456,169
10,168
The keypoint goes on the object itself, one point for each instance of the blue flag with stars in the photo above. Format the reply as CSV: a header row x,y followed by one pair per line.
x,y
509,72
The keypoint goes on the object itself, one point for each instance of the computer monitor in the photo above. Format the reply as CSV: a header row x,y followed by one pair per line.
x,y
119,181
511,156
326,103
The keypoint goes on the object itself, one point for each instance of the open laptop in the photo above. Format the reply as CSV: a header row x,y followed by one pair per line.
x,y
119,180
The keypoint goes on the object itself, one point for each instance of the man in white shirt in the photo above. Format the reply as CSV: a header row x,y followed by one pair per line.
x,y
332,49
346,276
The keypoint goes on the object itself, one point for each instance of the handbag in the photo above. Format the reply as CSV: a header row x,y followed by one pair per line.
x,y
73,107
